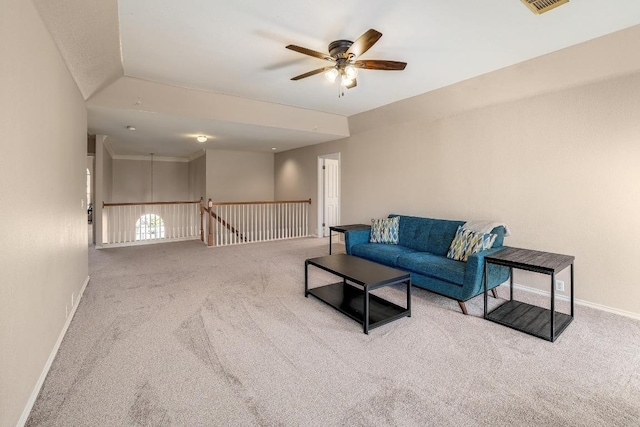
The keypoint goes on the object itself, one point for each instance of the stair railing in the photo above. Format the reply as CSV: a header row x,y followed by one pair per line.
x,y
126,224
231,223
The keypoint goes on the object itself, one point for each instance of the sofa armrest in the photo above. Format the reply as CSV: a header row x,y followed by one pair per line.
x,y
355,237
474,274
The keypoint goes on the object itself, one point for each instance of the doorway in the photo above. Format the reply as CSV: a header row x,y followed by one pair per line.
x,y
328,192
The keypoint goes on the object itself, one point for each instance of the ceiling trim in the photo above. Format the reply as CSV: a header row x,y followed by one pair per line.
x,y
197,154
148,158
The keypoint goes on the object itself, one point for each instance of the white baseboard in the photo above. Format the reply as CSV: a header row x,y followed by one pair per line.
x,y
608,309
52,356
567,298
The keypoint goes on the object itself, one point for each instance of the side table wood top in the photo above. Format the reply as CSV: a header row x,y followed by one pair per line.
x,y
528,259
343,228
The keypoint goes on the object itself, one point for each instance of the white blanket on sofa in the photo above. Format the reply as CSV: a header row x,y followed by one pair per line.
x,y
486,226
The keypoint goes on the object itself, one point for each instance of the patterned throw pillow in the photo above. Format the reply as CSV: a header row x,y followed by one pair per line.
x,y
467,242
385,230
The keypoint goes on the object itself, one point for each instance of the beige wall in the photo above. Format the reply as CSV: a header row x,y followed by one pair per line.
x,y
239,176
107,181
132,181
296,175
197,177
561,169
43,249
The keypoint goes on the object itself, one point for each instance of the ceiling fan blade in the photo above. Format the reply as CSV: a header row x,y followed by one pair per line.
x,y
310,52
374,64
364,43
354,83
311,73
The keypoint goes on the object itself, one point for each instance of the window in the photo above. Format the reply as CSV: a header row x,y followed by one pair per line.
x,y
149,226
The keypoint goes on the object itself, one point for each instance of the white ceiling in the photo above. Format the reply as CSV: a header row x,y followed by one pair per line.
x,y
238,48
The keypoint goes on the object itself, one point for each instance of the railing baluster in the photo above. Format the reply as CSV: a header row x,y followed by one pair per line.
x,y
217,211
236,238
261,222
270,222
279,225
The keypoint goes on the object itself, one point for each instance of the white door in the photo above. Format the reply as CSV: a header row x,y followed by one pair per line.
x,y
331,194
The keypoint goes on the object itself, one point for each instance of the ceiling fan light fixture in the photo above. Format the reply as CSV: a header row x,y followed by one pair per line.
x,y
346,81
351,72
201,138
331,74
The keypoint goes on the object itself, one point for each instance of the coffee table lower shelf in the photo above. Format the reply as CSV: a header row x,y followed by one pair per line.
x,y
349,300
529,319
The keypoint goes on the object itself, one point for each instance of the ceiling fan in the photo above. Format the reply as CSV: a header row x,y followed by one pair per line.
x,y
344,56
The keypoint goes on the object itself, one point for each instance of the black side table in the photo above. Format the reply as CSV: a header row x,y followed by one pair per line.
x,y
533,320
343,228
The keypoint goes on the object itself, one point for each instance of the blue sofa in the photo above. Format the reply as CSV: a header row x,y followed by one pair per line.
x,y
422,251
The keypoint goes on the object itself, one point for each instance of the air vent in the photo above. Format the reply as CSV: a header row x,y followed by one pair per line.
x,y
542,6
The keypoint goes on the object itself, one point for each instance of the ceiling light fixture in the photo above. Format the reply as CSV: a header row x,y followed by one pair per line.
x,y
332,74
131,128
351,72
201,138
343,55
348,72
274,148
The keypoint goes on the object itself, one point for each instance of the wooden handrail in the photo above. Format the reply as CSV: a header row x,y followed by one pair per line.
x,y
150,203
262,202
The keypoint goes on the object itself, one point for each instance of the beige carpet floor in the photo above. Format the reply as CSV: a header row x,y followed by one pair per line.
x,y
177,334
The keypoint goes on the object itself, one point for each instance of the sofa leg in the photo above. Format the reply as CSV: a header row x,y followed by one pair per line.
x,y
463,307
494,292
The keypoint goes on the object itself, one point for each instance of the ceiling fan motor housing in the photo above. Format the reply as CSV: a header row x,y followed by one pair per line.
x,y
338,48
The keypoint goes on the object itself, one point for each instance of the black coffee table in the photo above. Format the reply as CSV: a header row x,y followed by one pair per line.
x,y
352,295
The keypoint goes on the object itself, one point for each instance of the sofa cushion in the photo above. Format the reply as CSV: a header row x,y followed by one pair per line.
x,y
427,234
467,243
384,230
380,252
433,266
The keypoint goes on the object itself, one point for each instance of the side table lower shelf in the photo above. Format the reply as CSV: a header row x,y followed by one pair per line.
x,y
540,322
529,319
349,300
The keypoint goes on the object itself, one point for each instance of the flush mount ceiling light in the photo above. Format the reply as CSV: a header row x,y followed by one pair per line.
x,y
541,6
201,138
131,128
